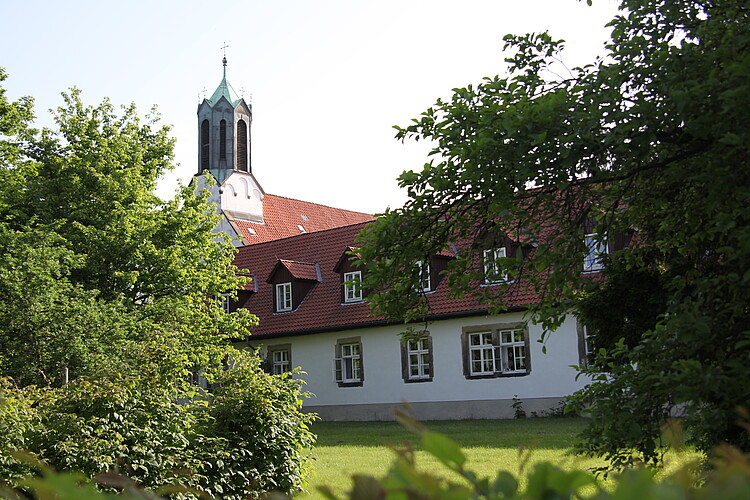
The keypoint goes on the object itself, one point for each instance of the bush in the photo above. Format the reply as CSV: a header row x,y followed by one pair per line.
x,y
247,438
728,479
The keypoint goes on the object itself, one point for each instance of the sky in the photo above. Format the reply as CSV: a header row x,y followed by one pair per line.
x,y
328,79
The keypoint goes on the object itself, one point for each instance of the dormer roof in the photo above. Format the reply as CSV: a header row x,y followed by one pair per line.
x,y
299,270
323,308
347,256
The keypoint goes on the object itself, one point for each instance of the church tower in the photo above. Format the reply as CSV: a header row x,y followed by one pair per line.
x,y
224,154
247,214
224,132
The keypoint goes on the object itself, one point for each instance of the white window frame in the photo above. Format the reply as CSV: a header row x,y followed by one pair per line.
x,y
284,297
491,273
496,351
584,343
513,351
348,364
353,286
425,284
418,359
481,351
595,249
224,302
280,361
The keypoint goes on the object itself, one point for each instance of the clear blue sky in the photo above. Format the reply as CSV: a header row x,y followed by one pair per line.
x,y
328,78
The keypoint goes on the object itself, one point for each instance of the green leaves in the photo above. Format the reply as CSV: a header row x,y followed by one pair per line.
x,y
651,138
246,437
444,449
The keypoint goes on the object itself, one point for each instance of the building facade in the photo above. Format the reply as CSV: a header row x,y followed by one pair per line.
x,y
466,363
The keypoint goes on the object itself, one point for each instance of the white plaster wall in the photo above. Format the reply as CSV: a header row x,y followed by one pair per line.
x,y
214,197
550,376
241,196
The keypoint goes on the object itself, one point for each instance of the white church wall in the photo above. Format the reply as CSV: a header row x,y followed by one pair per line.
x,y
241,197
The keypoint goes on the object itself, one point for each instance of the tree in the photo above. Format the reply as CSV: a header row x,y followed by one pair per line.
x,y
652,138
103,280
92,257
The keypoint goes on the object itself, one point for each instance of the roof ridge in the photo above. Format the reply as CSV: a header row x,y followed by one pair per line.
x,y
298,262
319,204
304,235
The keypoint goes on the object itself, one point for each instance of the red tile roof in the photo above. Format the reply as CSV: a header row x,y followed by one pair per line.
x,y
300,270
322,309
284,217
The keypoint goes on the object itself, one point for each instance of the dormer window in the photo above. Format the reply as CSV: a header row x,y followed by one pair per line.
x,y
595,250
351,274
353,286
292,281
283,297
492,273
424,276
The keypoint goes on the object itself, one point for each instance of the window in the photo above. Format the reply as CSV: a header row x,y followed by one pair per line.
x,y
242,161
279,359
424,276
595,249
495,351
481,354
348,368
584,344
283,297
224,302
416,359
223,140
205,141
513,351
353,286
492,272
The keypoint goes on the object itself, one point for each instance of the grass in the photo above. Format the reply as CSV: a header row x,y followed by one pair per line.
x,y
347,448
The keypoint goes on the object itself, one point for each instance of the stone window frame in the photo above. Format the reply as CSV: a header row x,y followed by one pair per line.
x,y
406,353
340,360
499,368
271,361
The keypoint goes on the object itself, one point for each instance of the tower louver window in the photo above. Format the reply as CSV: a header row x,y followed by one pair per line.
x,y
242,145
205,141
223,140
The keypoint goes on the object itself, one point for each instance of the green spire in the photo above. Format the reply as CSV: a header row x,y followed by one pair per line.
x,y
225,89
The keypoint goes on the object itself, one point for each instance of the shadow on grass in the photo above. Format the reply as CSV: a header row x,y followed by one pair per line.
x,y
549,433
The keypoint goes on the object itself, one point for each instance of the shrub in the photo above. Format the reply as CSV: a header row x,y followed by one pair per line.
x,y
247,438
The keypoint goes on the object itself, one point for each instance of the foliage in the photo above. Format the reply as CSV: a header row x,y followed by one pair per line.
x,y
105,282
246,438
92,258
624,305
260,439
730,479
651,137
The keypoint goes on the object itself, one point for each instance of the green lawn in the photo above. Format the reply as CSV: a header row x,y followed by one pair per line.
x,y
346,448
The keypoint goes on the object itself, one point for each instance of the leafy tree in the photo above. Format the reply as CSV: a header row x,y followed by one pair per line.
x,y
651,137
103,279
92,257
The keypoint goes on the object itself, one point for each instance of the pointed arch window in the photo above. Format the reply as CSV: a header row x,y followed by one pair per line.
x,y
241,145
223,140
205,141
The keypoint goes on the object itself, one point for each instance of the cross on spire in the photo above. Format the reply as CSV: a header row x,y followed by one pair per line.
x,y
224,48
